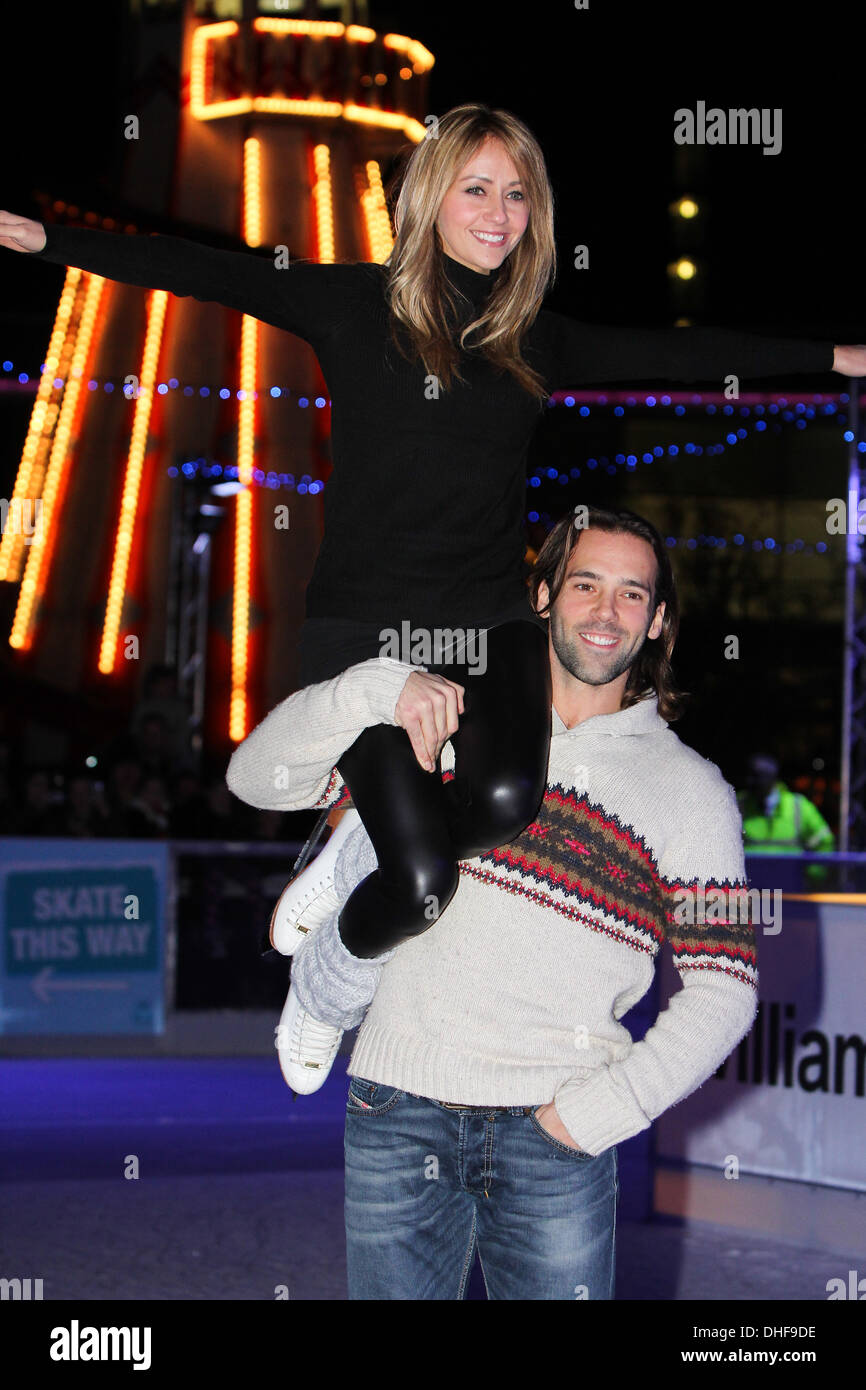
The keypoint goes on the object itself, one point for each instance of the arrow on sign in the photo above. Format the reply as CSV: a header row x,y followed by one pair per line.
x,y
45,981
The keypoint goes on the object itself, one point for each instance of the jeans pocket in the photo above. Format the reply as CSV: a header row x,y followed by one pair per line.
x,y
579,1155
371,1097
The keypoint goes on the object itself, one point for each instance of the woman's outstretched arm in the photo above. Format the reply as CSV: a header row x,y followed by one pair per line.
x,y
302,297
577,354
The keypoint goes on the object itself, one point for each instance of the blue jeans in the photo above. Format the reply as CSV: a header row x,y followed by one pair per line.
x,y
425,1183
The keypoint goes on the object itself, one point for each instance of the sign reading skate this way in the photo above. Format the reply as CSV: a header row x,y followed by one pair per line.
x,y
82,941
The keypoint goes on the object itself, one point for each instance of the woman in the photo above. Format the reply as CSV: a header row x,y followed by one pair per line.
x,y
439,363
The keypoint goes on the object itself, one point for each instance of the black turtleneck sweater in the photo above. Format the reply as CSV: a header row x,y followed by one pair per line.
x,y
424,508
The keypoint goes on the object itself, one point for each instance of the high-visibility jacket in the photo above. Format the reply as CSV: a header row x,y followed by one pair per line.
x,y
789,824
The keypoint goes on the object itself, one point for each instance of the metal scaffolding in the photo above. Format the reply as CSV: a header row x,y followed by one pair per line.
x,y
852,806
196,515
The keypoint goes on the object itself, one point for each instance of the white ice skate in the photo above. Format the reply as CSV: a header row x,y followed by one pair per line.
x,y
306,1048
309,899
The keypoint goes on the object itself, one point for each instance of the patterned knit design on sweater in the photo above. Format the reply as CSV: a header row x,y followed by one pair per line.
x,y
590,866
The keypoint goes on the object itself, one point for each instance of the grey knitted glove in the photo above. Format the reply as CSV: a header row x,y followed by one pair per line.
x,y
356,860
332,984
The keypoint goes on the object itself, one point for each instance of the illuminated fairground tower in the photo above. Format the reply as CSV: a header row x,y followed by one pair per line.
x,y
277,131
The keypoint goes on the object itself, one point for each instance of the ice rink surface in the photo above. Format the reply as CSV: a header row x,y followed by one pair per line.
x,y
240,1191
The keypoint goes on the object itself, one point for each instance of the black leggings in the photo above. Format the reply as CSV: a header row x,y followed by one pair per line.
x,y
421,826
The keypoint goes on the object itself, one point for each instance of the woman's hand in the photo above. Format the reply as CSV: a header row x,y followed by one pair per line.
x,y
851,360
427,709
20,234
548,1117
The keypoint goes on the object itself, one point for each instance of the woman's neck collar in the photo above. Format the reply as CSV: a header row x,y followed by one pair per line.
x,y
474,283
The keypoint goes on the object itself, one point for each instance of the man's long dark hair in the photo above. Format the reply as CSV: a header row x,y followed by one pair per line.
x,y
652,670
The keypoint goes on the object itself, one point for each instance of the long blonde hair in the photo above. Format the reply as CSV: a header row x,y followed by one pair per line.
x,y
418,290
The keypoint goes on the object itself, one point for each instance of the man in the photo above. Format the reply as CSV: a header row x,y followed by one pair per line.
x,y
491,1079
779,821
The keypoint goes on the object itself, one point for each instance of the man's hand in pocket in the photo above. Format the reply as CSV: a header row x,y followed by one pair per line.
x,y
548,1117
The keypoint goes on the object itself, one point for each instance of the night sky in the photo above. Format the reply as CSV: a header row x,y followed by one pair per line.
x,y
599,88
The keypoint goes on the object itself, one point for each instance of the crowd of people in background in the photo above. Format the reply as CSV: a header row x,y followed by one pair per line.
x,y
144,784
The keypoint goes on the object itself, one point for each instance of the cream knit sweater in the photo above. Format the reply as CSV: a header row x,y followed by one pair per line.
x,y
513,996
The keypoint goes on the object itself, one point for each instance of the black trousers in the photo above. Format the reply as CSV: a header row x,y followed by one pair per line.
x,y
421,826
